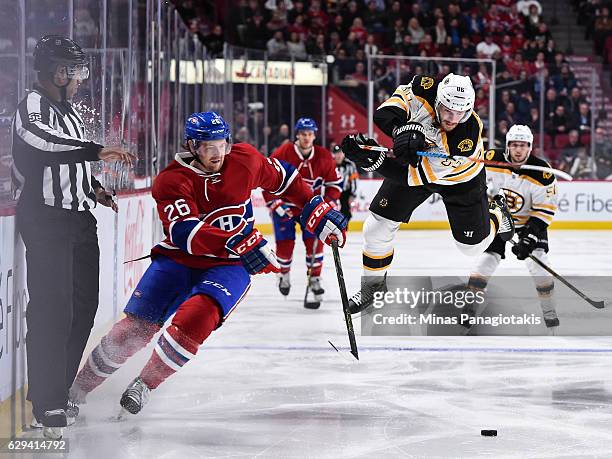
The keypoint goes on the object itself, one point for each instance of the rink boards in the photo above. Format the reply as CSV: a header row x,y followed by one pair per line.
x,y
581,205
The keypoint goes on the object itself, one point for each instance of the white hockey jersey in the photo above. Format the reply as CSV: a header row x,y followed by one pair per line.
x,y
529,194
416,102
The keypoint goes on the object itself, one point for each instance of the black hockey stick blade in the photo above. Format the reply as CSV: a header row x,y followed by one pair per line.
x,y
344,297
594,303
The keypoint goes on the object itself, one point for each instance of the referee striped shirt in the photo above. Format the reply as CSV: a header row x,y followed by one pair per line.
x,y
51,157
349,174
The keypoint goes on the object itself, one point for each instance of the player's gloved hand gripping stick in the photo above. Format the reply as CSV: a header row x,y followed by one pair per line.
x,y
318,217
408,140
329,225
321,219
367,145
281,209
526,244
254,252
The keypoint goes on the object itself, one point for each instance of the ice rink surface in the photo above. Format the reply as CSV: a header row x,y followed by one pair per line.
x,y
267,384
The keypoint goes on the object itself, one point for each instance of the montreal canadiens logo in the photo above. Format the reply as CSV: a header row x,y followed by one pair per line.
x,y
230,218
314,184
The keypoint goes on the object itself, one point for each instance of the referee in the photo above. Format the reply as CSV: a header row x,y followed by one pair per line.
x,y
349,174
56,191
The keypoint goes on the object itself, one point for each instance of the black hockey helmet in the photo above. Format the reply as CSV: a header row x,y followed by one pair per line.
x,y
53,51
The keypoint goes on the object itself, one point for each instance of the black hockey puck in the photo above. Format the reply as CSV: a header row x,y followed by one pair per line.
x,y
488,433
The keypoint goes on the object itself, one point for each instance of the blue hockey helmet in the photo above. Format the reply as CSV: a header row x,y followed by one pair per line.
x,y
205,126
306,124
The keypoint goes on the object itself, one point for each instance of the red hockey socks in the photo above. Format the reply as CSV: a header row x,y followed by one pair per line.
x,y
314,262
127,337
194,321
284,254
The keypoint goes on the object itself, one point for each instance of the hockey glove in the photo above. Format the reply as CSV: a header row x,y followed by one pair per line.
x,y
368,160
525,245
281,209
254,252
407,140
332,202
319,218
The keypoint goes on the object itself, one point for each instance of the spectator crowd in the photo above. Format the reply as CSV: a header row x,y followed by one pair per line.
x,y
514,34
349,32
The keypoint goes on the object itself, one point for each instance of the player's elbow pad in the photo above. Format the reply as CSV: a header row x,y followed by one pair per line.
x,y
387,118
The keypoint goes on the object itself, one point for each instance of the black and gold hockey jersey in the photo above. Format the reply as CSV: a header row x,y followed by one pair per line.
x,y
416,102
529,194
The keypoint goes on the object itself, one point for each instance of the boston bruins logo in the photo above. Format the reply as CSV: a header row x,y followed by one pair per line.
x,y
427,82
514,200
490,154
465,145
383,202
547,175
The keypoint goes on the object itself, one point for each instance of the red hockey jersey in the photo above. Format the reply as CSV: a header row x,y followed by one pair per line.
x,y
200,211
319,171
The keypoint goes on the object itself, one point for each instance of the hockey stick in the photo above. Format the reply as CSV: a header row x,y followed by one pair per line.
x,y
486,162
594,303
314,305
344,297
137,259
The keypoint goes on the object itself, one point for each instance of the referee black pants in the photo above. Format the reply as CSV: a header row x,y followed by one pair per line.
x,y
62,258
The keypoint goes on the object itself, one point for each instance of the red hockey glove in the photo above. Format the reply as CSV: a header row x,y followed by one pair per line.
x,y
319,218
281,209
254,252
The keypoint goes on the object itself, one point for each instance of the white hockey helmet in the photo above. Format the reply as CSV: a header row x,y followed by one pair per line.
x,y
518,133
456,92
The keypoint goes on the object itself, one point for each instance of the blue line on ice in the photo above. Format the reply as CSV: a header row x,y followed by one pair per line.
x,y
408,349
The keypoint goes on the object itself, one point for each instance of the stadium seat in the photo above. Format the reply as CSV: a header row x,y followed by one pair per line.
x,y
553,154
561,140
548,142
585,139
608,50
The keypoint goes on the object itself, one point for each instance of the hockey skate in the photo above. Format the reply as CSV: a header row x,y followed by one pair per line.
x,y
314,295
77,396
284,283
35,424
72,412
364,298
53,433
135,396
504,217
53,424
551,321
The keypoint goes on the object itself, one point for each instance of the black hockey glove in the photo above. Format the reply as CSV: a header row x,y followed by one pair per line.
x,y
527,242
368,160
407,140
